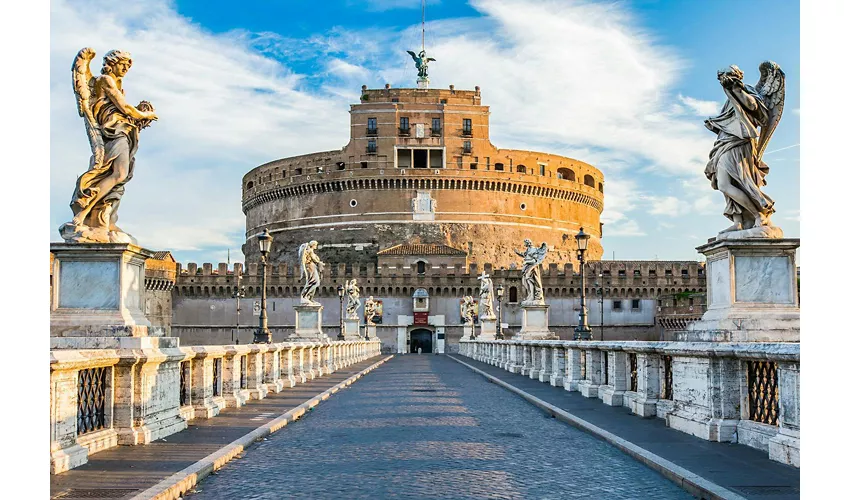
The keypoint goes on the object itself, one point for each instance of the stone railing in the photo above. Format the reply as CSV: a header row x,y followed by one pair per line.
x,y
100,398
747,393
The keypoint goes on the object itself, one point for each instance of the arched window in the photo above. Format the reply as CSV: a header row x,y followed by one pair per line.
x,y
600,188
250,185
589,181
566,174
420,267
520,169
500,166
512,294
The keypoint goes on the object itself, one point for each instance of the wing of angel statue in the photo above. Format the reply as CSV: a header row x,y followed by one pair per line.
x,y
771,88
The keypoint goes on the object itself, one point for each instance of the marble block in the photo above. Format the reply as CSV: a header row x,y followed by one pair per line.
x,y
308,323
535,323
372,332
487,329
351,329
752,292
467,332
99,290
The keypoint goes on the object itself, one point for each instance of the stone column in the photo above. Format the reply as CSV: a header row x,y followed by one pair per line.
x,y
545,364
556,379
203,400
707,395
573,376
589,386
309,361
515,355
256,384
785,446
329,361
535,361
272,377
649,384
287,368
298,364
618,368
526,360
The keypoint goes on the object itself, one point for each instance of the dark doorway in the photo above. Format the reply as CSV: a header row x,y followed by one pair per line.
x,y
420,160
420,338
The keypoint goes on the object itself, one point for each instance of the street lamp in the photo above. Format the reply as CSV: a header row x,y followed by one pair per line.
x,y
238,294
341,292
582,331
263,335
601,306
500,292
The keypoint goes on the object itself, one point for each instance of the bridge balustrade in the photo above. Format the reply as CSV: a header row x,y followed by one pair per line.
x,y
732,392
100,398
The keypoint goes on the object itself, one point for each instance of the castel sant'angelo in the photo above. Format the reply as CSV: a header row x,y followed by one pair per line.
x,y
419,168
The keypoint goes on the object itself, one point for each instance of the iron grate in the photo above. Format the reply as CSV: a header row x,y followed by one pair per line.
x,y
91,399
763,392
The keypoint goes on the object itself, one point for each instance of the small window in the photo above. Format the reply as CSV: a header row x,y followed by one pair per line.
x,y
636,273
523,206
635,303
340,165
668,272
443,101
685,273
404,126
618,305
394,99
652,273
690,301
371,126
299,171
467,126
606,273
512,294
436,128
499,166
700,271
250,185
589,181
420,267
542,169
520,169
600,188
473,166
364,164
372,147
566,174
352,203
320,169
621,273
467,147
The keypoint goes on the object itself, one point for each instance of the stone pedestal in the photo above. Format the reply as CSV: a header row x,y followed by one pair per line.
x,y
467,332
372,332
487,328
535,323
752,292
98,298
308,323
351,329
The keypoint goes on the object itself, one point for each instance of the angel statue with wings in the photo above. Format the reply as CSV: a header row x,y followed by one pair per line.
x,y
352,295
532,258
112,126
421,63
485,297
735,166
311,270
370,309
467,310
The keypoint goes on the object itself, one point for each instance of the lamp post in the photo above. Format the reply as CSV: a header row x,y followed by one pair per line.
x,y
500,292
341,292
582,331
263,335
238,294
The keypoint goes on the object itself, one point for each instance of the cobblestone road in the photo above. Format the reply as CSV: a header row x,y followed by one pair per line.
x,y
424,426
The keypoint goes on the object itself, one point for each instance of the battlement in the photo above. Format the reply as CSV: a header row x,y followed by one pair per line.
x,y
421,96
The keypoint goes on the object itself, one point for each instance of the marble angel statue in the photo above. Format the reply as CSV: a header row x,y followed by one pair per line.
x,y
485,299
311,270
113,126
352,296
467,310
421,63
370,310
532,259
735,166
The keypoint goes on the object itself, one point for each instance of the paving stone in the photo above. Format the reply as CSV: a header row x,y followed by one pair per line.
x,y
428,427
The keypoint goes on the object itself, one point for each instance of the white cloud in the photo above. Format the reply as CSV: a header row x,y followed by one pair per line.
x,y
702,108
382,5
666,205
627,228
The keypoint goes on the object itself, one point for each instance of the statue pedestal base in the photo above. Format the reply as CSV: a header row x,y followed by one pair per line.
x,y
467,332
422,83
351,329
372,332
99,296
308,323
535,323
487,328
752,292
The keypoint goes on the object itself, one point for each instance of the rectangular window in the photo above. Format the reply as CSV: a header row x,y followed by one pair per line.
x,y
668,272
473,166
621,273
606,272
618,305
652,273
542,169
298,171
404,126
372,146
637,273
436,128
685,273
467,126
499,166
364,164
635,303
436,158
371,126
467,147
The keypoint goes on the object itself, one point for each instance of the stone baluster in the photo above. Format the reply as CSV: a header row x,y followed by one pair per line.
x,y
572,378
206,405
256,386
329,359
287,368
515,355
526,359
545,363
273,378
618,382
319,367
535,361
234,395
310,361
298,364
649,385
556,379
589,386
785,445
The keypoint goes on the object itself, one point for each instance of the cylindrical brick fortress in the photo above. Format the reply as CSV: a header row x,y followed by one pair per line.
x,y
419,168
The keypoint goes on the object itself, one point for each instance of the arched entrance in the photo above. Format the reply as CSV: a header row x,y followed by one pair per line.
x,y
421,338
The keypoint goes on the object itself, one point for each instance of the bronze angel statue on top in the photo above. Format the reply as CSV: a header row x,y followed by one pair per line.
x,y
113,127
421,63
735,166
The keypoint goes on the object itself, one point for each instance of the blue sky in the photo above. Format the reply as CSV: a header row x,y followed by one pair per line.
x,y
623,85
